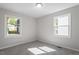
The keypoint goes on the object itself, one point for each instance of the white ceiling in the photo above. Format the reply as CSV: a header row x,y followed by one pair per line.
x,y
30,9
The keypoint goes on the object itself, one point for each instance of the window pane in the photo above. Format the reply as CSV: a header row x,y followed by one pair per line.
x,y
13,25
62,31
62,24
12,21
62,20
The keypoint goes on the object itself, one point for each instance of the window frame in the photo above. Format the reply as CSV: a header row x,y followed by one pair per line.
x,y
6,26
69,25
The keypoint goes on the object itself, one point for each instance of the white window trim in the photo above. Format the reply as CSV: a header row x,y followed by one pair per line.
x,y
5,29
69,31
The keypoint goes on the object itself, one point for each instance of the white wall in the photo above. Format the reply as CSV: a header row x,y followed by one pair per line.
x,y
41,28
28,29
46,29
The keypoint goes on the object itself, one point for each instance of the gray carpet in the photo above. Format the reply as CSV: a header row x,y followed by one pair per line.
x,y
22,49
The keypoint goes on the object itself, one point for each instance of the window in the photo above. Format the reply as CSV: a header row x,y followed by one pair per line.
x,y
62,25
12,25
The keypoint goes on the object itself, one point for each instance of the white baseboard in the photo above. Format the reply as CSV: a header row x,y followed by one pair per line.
x,y
15,44
54,43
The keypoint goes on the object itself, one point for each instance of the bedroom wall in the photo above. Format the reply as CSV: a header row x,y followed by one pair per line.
x,y
28,29
46,29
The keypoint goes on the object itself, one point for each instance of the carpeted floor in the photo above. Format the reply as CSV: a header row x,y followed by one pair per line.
x,y
23,49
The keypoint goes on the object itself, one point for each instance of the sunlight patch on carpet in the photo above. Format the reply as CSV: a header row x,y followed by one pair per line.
x,y
47,49
36,51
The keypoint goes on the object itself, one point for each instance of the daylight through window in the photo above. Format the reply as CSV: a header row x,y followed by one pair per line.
x,y
62,25
13,25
